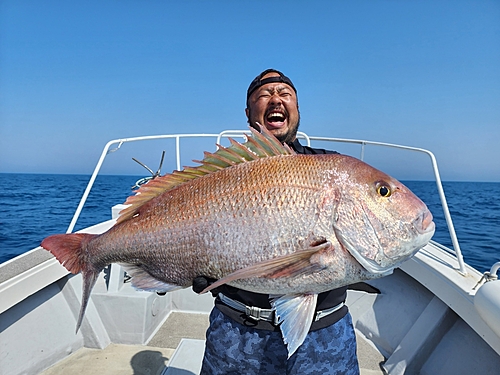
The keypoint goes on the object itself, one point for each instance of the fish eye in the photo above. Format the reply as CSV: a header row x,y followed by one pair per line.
x,y
384,191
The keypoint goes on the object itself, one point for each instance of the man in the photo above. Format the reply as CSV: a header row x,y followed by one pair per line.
x,y
242,337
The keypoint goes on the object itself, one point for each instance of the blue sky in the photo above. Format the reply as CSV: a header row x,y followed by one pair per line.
x,y
74,75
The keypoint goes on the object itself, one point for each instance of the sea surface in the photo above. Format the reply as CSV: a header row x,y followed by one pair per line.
x,y
33,206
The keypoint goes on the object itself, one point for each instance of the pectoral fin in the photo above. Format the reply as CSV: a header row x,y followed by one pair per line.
x,y
291,265
296,314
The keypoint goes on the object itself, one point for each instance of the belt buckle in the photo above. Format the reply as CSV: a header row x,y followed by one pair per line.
x,y
252,312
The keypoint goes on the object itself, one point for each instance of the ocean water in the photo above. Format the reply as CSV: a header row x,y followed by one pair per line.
x,y
33,206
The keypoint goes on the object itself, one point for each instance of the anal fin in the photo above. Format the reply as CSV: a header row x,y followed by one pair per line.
x,y
296,314
141,279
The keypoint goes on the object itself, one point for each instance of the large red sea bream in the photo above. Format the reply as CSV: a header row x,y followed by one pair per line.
x,y
260,218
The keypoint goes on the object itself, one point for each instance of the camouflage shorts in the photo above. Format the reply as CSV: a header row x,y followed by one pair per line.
x,y
232,348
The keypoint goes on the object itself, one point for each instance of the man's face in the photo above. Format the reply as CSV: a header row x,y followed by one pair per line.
x,y
275,106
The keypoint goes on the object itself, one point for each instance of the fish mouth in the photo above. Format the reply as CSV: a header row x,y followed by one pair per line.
x,y
276,117
424,223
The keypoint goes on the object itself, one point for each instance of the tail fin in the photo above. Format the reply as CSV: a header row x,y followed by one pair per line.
x,y
70,251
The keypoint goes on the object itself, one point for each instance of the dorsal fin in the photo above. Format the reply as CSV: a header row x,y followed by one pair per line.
x,y
257,145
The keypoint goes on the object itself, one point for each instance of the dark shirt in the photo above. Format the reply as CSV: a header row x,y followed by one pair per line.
x,y
299,149
326,300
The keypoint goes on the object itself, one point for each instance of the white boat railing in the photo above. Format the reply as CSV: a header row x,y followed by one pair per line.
x,y
240,133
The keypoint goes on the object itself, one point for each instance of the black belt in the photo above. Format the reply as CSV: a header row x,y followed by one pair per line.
x,y
268,315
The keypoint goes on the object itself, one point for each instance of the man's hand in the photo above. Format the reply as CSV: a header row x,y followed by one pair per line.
x,y
202,282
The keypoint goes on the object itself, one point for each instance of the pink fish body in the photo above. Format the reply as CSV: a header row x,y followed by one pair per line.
x,y
258,217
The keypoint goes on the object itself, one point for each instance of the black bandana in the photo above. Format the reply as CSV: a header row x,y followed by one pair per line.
x,y
258,81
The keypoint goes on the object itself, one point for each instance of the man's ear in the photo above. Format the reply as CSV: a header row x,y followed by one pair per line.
x,y
247,113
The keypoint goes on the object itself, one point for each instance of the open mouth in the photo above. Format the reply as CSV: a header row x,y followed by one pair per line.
x,y
276,118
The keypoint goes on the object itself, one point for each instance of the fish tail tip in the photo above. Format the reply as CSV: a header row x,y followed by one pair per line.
x,y
80,316
79,322
89,280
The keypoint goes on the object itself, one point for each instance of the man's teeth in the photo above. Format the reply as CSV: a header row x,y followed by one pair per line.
x,y
276,115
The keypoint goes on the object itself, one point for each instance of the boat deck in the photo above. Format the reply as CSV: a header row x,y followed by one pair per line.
x,y
154,358
423,321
